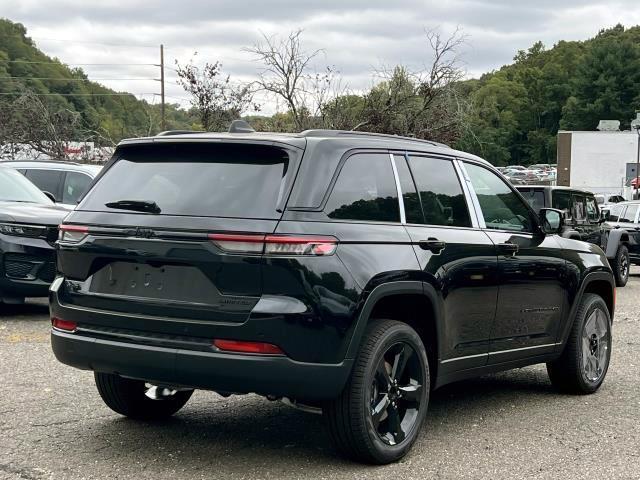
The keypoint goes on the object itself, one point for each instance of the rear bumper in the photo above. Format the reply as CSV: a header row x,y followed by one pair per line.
x,y
223,372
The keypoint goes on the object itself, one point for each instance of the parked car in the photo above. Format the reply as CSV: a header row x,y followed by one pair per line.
x,y
608,198
65,182
626,215
28,230
346,271
583,221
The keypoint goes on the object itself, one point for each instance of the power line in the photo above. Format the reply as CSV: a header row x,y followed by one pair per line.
x,y
81,94
80,64
66,40
75,79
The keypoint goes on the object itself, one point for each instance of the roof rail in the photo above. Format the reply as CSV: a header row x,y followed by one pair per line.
x,y
346,133
168,133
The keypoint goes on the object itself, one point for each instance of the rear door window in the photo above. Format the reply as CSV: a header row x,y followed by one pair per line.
x,y
196,179
365,190
616,212
75,184
630,214
441,195
412,206
579,208
47,181
561,200
593,215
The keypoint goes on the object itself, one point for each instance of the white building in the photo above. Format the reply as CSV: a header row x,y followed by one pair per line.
x,y
600,161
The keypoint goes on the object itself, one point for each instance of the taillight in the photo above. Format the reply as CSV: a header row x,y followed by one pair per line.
x,y
238,243
72,233
288,245
64,325
275,244
239,346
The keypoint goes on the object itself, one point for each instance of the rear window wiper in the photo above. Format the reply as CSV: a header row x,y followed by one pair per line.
x,y
135,205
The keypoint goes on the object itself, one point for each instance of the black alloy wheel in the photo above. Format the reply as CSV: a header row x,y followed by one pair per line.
x,y
396,393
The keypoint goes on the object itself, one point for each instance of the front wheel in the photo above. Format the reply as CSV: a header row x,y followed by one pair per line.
x,y
583,365
380,412
621,265
139,400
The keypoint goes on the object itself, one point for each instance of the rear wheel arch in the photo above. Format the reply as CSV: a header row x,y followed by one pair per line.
x,y
410,302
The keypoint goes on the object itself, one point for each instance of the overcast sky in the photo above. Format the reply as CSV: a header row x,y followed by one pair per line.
x,y
357,36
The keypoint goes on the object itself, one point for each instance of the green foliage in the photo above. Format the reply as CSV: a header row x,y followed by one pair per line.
x,y
105,119
518,110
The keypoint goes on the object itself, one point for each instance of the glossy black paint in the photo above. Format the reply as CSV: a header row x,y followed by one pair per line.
x,y
38,252
489,309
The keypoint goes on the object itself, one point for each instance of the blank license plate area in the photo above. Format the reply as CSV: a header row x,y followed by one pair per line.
x,y
169,283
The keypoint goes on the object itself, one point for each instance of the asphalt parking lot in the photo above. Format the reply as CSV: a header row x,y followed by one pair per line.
x,y
53,424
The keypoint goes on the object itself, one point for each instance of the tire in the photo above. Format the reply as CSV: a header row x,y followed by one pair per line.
x,y
362,419
129,397
582,367
620,266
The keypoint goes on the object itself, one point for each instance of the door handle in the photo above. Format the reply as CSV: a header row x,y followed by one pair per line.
x,y
508,248
432,244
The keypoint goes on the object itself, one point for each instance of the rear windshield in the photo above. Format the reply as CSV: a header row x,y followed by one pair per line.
x,y
224,180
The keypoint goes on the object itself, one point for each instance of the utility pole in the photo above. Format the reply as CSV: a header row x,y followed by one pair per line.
x,y
635,125
162,121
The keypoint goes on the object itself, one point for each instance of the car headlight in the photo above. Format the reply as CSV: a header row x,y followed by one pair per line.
x,y
31,231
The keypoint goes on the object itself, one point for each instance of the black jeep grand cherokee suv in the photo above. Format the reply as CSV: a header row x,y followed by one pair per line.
x,y
346,271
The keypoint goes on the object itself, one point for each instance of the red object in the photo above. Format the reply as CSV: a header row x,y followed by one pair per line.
x,y
74,228
248,347
65,325
634,182
275,244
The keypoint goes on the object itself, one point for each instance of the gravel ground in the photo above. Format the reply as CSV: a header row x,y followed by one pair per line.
x,y
511,425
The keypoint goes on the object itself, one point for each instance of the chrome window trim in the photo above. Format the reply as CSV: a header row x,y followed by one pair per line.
x,y
403,217
477,219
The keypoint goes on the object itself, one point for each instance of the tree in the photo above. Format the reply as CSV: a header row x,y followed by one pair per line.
x,y
425,103
287,76
606,84
29,121
213,96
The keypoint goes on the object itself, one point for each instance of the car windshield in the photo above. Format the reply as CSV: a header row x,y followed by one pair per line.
x,y
14,187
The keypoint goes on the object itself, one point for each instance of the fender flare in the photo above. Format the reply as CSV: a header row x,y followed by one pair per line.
x,y
387,290
589,278
613,241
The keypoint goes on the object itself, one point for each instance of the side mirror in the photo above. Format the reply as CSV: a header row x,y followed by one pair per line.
x,y
604,216
50,195
551,220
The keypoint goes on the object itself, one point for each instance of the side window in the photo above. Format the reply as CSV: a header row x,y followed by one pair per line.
x,y
47,181
561,200
592,210
534,197
501,207
365,190
75,184
412,207
630,215
579,208
443,201
616,211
